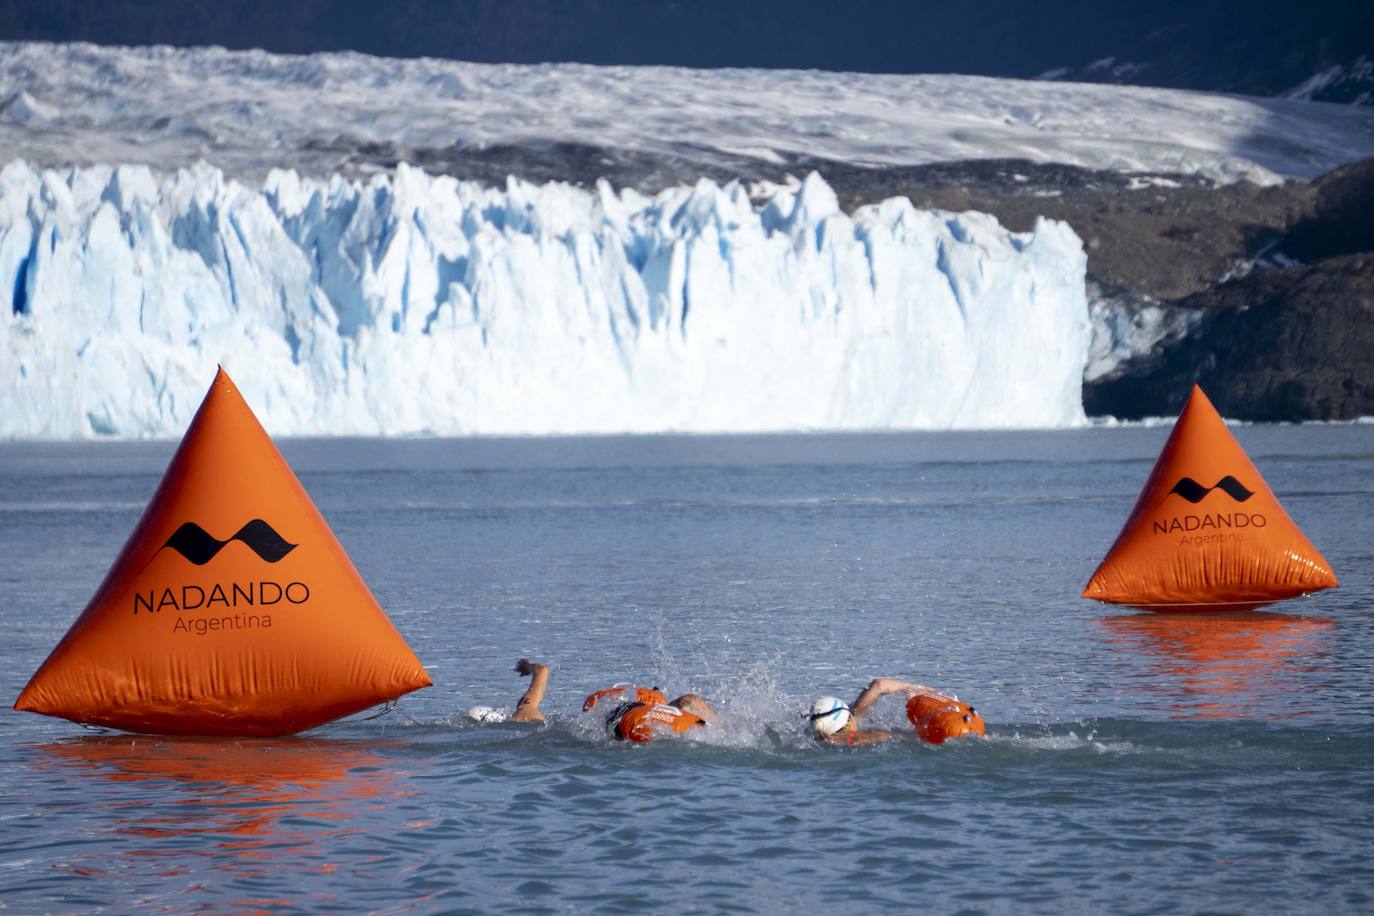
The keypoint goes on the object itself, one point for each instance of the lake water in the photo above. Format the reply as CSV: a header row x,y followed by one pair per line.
x,y
1135,763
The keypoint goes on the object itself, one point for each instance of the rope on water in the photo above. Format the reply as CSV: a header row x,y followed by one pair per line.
x,y
387,707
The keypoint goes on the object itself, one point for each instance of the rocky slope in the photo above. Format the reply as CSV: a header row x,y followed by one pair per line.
x,y
1288,344
1273,286
1293,339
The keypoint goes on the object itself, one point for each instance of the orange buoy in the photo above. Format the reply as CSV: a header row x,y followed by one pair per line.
x,y
232,609
1207,533
646,695
642,722
938,718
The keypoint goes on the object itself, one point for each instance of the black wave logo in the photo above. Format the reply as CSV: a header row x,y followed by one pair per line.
x,y
200,547
1195,492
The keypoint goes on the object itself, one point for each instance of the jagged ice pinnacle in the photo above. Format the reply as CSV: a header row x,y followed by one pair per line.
x,y
413,304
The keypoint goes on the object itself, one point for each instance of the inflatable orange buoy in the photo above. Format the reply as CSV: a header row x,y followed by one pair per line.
x,y
641,722
938,718
644,695
232,609
1207,533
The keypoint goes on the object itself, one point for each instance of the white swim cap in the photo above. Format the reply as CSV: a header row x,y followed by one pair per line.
x,y
487,715
829,715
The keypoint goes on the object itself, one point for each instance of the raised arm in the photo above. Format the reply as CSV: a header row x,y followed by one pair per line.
x,y
527,707
691,702
880,687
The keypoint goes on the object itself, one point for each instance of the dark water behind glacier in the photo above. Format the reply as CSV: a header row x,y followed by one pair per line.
x,y
1137,764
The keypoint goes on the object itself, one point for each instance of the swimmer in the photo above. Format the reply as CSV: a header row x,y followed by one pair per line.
x,y
935,716
643,713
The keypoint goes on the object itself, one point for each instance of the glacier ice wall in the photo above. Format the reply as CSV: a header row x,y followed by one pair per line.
x,y
413,304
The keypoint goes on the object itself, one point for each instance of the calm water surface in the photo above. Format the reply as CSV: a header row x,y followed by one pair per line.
x,y
1137,763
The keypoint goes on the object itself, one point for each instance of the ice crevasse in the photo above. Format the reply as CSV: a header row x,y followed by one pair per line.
x,y
414,304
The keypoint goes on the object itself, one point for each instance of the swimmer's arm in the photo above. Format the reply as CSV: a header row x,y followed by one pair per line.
x,y
527,707
691,702
862,736
880,687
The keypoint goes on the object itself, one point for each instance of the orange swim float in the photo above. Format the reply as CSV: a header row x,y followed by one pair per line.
x,y
625,692
642,722
938,718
